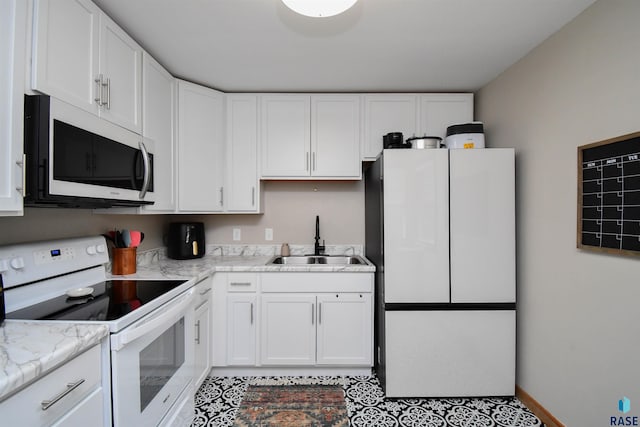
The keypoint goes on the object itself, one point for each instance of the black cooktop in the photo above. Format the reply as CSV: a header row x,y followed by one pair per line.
x,y
110,300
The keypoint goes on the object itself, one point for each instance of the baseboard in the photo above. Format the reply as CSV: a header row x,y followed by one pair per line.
x,y
540,411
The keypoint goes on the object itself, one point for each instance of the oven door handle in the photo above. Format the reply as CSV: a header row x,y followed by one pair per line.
x,y
162,320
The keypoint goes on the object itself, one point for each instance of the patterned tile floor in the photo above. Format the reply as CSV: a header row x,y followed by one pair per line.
x,y
219,398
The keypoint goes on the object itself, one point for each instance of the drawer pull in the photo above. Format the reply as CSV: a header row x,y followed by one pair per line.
x,y
46,404
205,292
240,283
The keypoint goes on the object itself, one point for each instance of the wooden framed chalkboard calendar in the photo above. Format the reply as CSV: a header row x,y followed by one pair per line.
x,y
609,195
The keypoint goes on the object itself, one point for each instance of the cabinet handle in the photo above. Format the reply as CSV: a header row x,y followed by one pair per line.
x,y
240,283
23,164
253,196
198,332
108,85
251,314
46,404
98,97
307,166
221,196
319,313
313,313
314,161
205,291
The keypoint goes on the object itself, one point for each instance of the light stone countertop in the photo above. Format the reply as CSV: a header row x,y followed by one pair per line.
x,y
155,265
29,349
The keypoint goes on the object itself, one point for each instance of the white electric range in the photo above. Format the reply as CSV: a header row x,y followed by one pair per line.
x,y
151,323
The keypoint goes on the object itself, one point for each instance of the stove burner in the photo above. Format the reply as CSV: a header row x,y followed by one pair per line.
x,y
110,300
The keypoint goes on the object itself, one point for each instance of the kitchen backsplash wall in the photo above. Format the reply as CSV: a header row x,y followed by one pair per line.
x,y
52,223
290,209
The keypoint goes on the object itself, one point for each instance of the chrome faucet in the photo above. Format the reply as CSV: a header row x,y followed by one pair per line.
x,y
317,248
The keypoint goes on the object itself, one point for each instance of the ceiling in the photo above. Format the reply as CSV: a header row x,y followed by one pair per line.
x,y
377,45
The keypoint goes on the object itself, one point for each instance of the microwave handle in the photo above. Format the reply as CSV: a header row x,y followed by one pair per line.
x,y
147,170
163,319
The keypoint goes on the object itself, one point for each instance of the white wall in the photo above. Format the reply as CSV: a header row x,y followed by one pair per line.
x,y
578,311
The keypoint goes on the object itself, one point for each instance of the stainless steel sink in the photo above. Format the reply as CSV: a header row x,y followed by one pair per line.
x,y
317,259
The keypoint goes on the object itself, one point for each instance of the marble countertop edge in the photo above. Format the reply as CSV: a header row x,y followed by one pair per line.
x,y
31,349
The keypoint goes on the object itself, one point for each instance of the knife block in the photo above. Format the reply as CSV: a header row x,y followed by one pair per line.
x,y
124,261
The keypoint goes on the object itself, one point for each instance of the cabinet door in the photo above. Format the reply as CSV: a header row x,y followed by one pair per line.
x,y
12,57
344,329
158,92
441,110
285,136
335,136
482,225
243,183
416,226
384,114
200,148
202,359
121,64
65,51
288,330
241,329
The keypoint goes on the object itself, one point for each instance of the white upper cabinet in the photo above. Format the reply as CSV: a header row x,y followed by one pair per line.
x,y
286,120
243,183
65,51
200,149
82,57
387,113
121,70
315,136
13,21
158,94
441,110
335,136
412,114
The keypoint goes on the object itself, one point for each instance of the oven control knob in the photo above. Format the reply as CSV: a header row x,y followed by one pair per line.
x,y
4,265
101,249
17,263
91,250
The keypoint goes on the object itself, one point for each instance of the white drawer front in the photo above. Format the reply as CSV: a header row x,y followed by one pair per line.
x,y
317,282
242,282
27,405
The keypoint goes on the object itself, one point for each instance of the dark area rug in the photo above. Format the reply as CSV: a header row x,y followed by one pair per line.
x,y
293,406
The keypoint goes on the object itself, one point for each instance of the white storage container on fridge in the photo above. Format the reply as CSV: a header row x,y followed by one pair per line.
x,y
465,135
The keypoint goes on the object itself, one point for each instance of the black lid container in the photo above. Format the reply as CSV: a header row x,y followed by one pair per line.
x,y
185,240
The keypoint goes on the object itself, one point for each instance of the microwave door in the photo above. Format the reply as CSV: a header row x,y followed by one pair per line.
x,y
72,155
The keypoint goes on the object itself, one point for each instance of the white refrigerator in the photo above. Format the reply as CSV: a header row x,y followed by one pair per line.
x,y
440,227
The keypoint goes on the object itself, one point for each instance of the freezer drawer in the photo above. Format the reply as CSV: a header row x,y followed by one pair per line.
x,y
450,353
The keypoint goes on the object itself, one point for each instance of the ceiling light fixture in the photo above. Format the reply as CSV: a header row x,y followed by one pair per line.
x,y
319,8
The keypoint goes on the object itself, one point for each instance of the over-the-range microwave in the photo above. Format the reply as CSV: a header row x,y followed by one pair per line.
x,y
76,159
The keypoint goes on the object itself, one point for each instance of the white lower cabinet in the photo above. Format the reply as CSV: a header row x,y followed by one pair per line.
x,y
288,329
344,329
68,396
323,329
241,329
292,320
202,353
